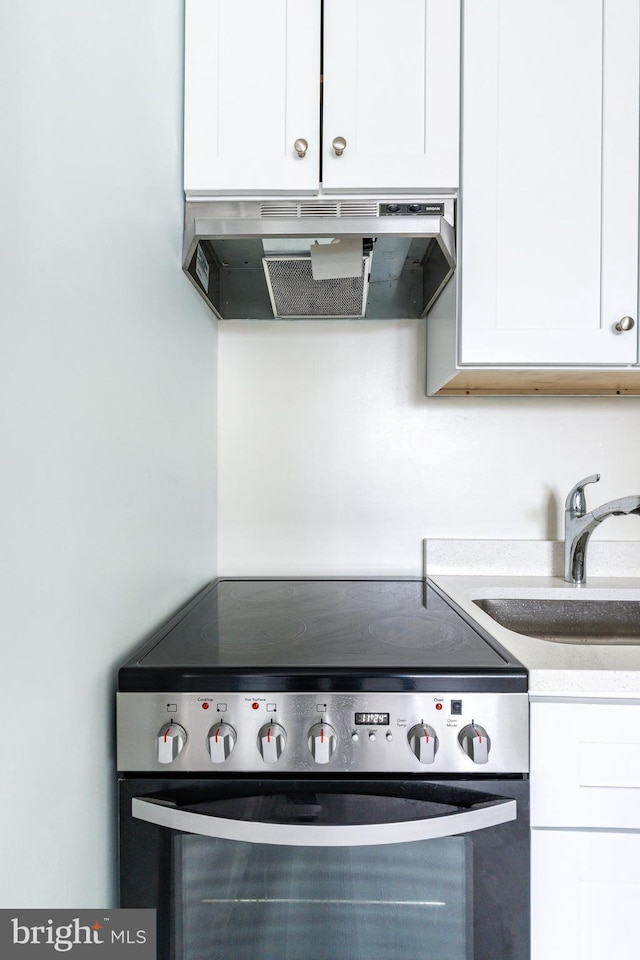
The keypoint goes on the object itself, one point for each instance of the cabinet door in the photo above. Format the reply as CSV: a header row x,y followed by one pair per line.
x,y
585,765
584,900
549,196
391,90
252,88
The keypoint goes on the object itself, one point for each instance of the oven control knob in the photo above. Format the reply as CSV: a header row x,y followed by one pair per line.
x,y
221,740
271,740
475,742
323,741
423,742
170,741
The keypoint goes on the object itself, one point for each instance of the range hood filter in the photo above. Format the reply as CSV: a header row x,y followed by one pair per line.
x,y
294,294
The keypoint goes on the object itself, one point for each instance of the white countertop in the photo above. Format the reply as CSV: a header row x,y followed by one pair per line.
x,y
468,570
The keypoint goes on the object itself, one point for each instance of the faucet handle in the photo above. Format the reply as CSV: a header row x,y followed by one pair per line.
x,y
576,502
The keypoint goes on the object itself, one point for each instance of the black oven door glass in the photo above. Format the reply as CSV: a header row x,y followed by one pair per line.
x,y
405,901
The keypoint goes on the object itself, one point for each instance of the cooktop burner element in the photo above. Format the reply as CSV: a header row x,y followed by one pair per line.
x,y
288,634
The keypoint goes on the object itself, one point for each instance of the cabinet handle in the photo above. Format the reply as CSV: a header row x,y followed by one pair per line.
x,y
301,146
339,144
627,323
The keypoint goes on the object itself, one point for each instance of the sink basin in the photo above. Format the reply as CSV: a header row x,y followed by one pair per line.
x,y
568,621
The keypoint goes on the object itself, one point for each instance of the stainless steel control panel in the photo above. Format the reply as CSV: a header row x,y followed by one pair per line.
x,y
406,732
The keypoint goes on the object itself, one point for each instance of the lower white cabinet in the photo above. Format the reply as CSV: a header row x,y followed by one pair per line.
x,y
585,818
585,894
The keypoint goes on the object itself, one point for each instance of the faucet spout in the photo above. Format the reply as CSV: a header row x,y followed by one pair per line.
x,y
579,525
618,508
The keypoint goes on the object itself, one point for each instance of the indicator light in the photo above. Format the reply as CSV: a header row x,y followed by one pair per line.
x,y
255,706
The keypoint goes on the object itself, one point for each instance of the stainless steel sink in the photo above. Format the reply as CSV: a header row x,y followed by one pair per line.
x,y
567,620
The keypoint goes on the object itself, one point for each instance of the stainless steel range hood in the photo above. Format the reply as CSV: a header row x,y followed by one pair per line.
x,y
308,258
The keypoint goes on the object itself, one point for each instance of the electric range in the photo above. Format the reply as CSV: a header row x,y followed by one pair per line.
x,y
325,769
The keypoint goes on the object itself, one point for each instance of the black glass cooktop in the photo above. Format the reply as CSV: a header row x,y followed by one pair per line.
x,y
383,634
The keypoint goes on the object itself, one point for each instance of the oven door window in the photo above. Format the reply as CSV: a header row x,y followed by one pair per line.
x,y
335,874
394,902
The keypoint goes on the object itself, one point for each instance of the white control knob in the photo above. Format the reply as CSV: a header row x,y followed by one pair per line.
x,y
423,742
475,742
322,741
271,740
221,740
170,741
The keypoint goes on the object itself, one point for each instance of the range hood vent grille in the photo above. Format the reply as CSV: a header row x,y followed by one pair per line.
x,y
295,294
277,210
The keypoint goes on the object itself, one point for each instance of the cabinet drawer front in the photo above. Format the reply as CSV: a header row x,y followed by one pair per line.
x,y
585,765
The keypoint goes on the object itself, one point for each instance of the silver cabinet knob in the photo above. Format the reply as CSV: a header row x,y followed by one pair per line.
x,y
339,145
627,323
301,146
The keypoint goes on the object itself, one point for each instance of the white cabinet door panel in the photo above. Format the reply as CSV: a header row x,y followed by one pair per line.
x,y
549,196
391,90
585,894
252,88
586,761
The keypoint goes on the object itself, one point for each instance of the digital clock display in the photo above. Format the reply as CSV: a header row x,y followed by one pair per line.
x,y
372,719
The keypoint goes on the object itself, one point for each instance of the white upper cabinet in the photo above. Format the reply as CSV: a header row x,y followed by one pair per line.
x,y
347,95
252,90
391,91
549,195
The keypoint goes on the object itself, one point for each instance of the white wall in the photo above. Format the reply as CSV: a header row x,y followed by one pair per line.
x,y
332,460
107,382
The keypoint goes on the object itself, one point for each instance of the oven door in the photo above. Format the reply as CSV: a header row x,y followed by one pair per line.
x,y
329,870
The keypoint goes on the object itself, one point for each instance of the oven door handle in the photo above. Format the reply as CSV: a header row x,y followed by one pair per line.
x,y
481,815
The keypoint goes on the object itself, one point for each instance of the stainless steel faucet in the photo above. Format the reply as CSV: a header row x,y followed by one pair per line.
x,y
579,525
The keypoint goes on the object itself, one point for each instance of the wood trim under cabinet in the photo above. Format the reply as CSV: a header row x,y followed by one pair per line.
x,y
541,382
